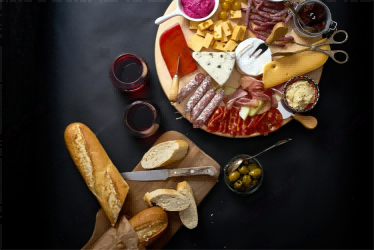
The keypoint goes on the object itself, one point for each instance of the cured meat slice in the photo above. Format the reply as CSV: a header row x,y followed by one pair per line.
x,y
204,101
190,86
208,111
195,98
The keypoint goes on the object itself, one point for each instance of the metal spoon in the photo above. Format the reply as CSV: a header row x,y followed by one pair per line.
x,y
233,166
303,25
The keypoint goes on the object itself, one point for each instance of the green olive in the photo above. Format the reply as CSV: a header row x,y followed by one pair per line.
x,y
247,180
252,166
254,183
243,170
234,176
255,173
245,163
238,184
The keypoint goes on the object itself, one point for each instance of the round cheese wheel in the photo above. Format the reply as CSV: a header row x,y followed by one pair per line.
x,y
251,65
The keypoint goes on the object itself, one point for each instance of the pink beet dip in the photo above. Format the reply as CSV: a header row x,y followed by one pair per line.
x,y
197,8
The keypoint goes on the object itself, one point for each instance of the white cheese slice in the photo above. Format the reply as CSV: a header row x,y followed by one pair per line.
x,y
219,65
251,65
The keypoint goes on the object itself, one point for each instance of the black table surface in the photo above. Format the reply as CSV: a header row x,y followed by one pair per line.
x,y
317,190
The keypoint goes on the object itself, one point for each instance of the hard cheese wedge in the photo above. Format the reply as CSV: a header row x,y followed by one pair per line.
x,y
282,69
218,65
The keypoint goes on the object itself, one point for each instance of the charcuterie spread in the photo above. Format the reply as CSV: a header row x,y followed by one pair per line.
x,y
245,53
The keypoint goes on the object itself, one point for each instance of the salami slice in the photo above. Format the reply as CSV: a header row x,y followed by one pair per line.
x,y
208,111
189,87
199,107
195,98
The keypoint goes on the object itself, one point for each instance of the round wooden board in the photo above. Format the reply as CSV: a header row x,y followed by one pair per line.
x,y
234,81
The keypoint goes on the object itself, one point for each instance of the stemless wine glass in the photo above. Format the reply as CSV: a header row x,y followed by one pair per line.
x,y
142,119
129,72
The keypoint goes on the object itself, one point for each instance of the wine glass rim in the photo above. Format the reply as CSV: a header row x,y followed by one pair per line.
x,y
134,56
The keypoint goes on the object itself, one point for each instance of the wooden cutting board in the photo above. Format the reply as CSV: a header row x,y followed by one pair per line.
x,y
234,80
134,203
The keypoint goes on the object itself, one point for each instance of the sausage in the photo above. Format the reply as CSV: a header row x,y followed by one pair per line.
x,y
187,89
201,90
204,101
208,111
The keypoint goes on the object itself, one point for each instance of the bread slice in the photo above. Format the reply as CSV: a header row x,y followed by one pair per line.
x,y
167,199
164,153
188,216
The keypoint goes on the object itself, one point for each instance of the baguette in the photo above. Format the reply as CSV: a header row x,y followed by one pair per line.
x,y
96,168
188,216
149,224
164,154
167,199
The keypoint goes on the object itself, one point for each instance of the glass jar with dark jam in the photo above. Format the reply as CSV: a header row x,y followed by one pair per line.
x,y
313,15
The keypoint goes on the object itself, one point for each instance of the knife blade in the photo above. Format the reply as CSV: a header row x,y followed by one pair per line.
x,y
163,174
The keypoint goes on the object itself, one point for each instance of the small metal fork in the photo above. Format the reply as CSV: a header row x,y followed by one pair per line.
x,y
279,30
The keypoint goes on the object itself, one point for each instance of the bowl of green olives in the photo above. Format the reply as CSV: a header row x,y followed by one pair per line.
x,y
247,178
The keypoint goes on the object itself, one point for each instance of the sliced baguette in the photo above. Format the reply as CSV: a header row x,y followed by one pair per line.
x,y
167,199
188,216
164,154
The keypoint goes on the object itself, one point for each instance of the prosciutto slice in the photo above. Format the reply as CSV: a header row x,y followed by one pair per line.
x,y
248,81
274,101
246,102
260,96
230,100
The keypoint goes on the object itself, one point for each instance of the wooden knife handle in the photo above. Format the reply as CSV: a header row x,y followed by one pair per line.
x,y
174,89
193,171
308,122
279,30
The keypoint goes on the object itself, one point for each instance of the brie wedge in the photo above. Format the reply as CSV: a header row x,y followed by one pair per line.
x,y
219,65
251,65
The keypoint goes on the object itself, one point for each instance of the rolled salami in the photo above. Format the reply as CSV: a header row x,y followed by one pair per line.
x,y
195,98
199,107
189,87
208,111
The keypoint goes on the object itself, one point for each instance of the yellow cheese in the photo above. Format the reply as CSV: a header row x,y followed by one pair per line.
x,y
202,33
282,69
231,45
216,23
235,14
208,40
224,37
243,28
194,25
205,25
196,43
212,42
219,46
217,32
236,34
226,28
229,24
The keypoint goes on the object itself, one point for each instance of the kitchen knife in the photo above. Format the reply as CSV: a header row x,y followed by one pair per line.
x,y
308,122
163,174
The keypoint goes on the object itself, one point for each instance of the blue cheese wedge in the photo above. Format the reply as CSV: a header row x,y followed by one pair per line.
x,y
219,65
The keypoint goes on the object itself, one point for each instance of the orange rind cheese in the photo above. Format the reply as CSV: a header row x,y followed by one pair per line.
x,y
282,69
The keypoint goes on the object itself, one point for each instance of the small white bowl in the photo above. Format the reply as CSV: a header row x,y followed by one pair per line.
x,y
179,12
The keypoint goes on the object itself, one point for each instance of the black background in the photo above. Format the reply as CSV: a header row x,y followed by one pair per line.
x,y
317,191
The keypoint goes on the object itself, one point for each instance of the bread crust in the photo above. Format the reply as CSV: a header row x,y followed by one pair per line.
x,y
96,168
189,216
166,199
149,224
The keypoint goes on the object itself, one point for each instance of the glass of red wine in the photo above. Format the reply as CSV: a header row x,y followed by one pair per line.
x,y
129,72
142,119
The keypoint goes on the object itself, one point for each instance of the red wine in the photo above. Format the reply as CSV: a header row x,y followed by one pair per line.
x,y
128,69
140,117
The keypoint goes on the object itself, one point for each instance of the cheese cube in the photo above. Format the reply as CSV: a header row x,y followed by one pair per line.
x,y
202,32
217,32
196,43
229,24
231,45
226,28
243,28
237,33
216,23
208,40
194,25
219,46
224,37
204,25
235,14
212,42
